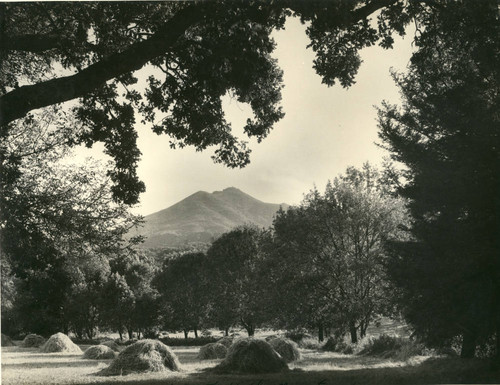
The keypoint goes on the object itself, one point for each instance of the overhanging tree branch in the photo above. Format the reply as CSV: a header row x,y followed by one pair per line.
x,y
17,103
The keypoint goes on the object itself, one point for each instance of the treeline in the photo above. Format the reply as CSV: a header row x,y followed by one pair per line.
x,y
320,266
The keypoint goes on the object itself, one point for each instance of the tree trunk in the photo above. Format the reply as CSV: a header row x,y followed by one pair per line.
x,y
321,335
354,332
468,345
195,333
121,334
130,334
226,332
186,332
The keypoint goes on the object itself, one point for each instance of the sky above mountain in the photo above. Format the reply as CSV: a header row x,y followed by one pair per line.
x,y
324,131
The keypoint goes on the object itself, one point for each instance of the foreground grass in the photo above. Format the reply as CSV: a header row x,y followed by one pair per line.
x,y
29,366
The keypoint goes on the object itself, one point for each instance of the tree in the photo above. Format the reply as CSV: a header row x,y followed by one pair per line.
x,y
56,220
116,303
182,285
138,269
446,135
331,249
237,280
89,53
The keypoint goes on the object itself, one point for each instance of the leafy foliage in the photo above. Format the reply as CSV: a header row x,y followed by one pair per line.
x,y
196,53
329,253
446,134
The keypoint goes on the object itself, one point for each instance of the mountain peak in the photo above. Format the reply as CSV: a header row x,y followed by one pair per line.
x,y
203,216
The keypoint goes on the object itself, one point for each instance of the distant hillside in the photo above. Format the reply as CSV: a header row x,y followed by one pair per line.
x,y
203,216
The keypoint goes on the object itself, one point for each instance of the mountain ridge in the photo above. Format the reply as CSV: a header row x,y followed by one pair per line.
x,y
203,216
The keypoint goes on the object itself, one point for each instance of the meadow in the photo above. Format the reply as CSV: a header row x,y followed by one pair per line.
x,y
29,366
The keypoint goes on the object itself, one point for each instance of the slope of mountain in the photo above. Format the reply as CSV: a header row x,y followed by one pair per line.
x,y
203,216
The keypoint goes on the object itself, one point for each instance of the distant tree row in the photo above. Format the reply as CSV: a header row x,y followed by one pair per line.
x,y
320,266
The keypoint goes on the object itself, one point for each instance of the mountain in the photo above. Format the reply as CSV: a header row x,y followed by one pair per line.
x,y
203,216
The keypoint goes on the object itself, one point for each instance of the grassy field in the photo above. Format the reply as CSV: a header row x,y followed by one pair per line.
x,y
29,366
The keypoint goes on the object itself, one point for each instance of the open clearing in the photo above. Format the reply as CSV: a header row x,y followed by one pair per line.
x,y
29,366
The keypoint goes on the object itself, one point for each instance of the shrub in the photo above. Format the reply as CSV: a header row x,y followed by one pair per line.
x,y
309,343
99,352
250,355
33,341
338,345
392,347
60,343
6,341
286,348
212,351
143,356
297,335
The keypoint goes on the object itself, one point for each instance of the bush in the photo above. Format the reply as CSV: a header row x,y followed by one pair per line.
x,y
33,341
212,351
143,356
188,341
309,343
338,345
250,355
99,352
286,348
392,347
60,343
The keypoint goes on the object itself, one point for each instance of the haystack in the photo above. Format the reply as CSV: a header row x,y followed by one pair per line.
x,y
33,341
226,341
286,348
250,355
212,351
6,341
60,343
111,344
99,352
143,356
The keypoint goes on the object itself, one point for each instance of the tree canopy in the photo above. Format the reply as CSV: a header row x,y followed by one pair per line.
x,y
197,52
446,134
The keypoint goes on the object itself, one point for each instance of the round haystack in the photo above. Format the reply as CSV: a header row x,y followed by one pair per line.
x,y
6,341
143,356
60,343
112,345
99,352
286,348
226,341
250,355
33,341
212,351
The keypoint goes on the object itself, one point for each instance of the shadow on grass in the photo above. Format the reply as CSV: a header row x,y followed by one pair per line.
x,y
431,371
54,365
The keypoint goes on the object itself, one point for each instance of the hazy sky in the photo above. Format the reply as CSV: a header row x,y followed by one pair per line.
x,y
324,131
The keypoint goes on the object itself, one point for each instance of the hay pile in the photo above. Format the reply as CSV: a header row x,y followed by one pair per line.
x,y
111,344
6,341
286,348
33,341
212,351
249,355
226,341
99,352
60,343
143,356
